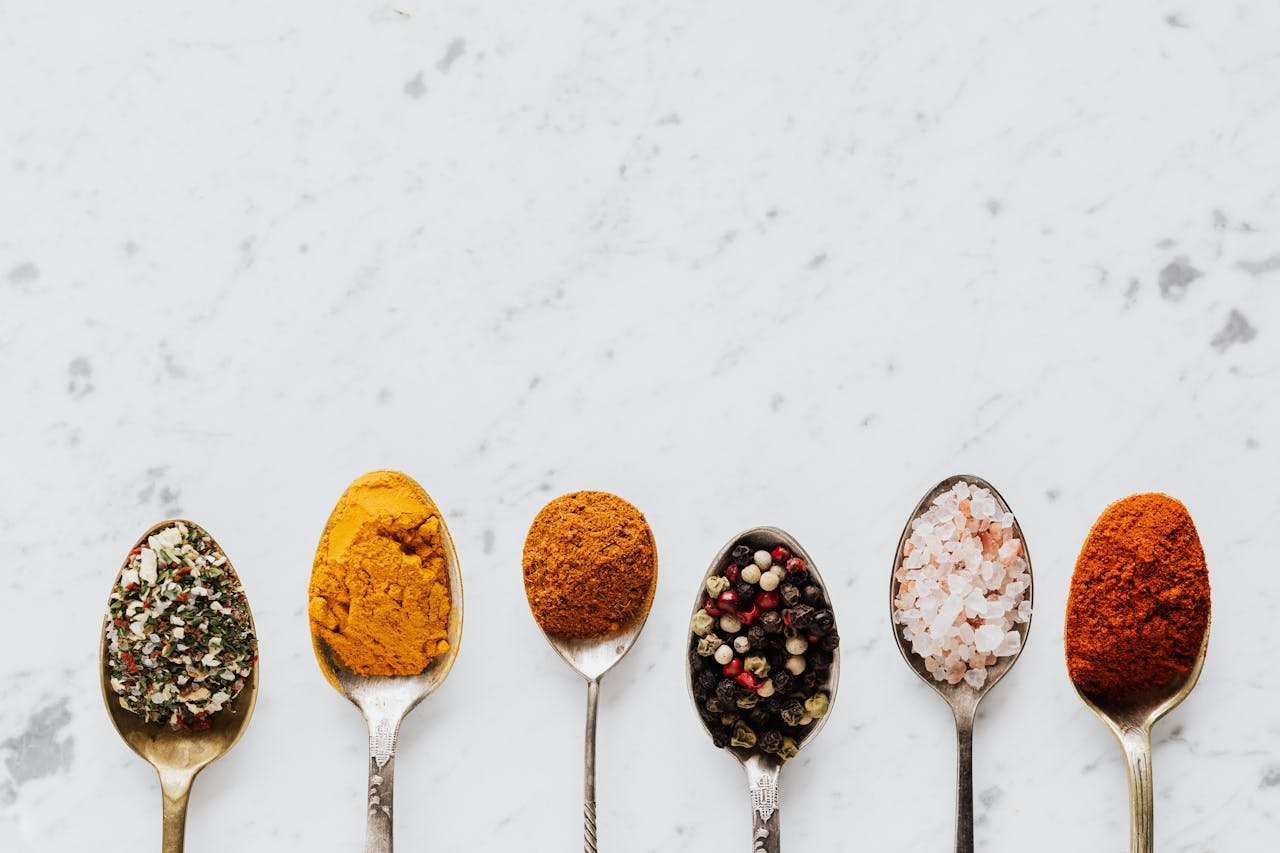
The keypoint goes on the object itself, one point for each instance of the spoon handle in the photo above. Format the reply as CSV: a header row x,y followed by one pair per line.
x,y
382,765
766,822
964,777
1137,751
175,786
589,769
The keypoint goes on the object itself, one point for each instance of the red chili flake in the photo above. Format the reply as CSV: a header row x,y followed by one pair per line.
x,y
119,623
129,662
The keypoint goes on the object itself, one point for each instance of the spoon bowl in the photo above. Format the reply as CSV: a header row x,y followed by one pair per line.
x,y
962,698
177,755
384,701
762,769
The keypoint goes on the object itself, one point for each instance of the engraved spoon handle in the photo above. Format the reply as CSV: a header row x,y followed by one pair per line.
x,y
589,769
1137,751
175,786
382,765
766,822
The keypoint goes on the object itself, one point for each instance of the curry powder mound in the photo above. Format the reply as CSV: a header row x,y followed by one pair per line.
x,y
379,594
589,565
1139,603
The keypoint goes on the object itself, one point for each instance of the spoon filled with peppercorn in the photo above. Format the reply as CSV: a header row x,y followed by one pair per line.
x,y
763,662
590,567
178,660
960,597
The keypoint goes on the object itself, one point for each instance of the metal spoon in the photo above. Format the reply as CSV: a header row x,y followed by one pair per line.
x,y
763,769
962,698
384,700
177,755
591,658
1131,723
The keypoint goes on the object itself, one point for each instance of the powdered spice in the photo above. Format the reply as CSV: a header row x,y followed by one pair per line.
x,y
589,565
379,593
1139,603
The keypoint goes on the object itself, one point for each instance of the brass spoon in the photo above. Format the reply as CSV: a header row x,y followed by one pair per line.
x,y
177,755
385,700
1131,723
592,657
962,698
762,768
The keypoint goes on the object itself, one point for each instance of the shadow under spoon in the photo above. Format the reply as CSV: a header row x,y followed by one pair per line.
x,y
962,698
177,754
763,769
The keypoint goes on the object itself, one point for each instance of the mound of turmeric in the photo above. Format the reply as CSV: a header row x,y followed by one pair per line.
x,y
379,593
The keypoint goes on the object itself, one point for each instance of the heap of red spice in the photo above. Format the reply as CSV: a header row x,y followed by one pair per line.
x,y
1139,603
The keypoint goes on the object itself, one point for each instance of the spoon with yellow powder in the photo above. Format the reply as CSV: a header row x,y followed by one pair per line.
x,y
385,605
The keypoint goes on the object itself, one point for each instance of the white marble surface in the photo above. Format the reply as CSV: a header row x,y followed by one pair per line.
x,y
740,263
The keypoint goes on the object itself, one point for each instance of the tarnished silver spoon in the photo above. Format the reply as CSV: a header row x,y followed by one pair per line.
x,y
762,769
592,657
962,698
177,755
384,700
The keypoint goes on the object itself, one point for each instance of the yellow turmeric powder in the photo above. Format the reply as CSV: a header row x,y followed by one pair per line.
x,y
379,594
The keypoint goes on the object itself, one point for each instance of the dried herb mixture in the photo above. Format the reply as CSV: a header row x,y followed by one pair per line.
x,y
180,640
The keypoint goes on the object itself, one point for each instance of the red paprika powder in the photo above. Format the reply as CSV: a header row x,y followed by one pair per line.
x,y
1139,603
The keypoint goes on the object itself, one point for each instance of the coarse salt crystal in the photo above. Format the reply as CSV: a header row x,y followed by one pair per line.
x,y
987,638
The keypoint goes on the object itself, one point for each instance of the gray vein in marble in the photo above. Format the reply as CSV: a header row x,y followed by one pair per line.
x,y
39,750
1176,277
1238,330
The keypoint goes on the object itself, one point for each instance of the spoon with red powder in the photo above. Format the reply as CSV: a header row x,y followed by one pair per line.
x,y
1137,629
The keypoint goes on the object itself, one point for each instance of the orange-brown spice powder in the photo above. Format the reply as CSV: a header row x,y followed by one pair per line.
x,y
1139,603
589,565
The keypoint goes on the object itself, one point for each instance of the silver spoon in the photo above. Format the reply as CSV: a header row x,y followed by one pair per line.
x,y
385,700
591,658
177,755
962,698
763,769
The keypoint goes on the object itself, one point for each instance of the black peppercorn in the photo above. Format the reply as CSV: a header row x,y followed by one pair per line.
x,y
721,738
823,621
742,555
771,621
771,741
831,642
707,680
782,681
727,692
746,591
792,712
776,701
756,637
811,681
790,594
811,595
801,617
758,718
715,706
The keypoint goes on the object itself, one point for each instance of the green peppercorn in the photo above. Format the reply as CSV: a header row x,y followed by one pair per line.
x,y
717,584
743,736
707,645
817,705
789,749
748,699
757,666
702,623
792,712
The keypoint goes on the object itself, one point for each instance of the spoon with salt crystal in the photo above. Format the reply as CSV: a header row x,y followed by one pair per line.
x,y
384,700
178,755
962,697
763,769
